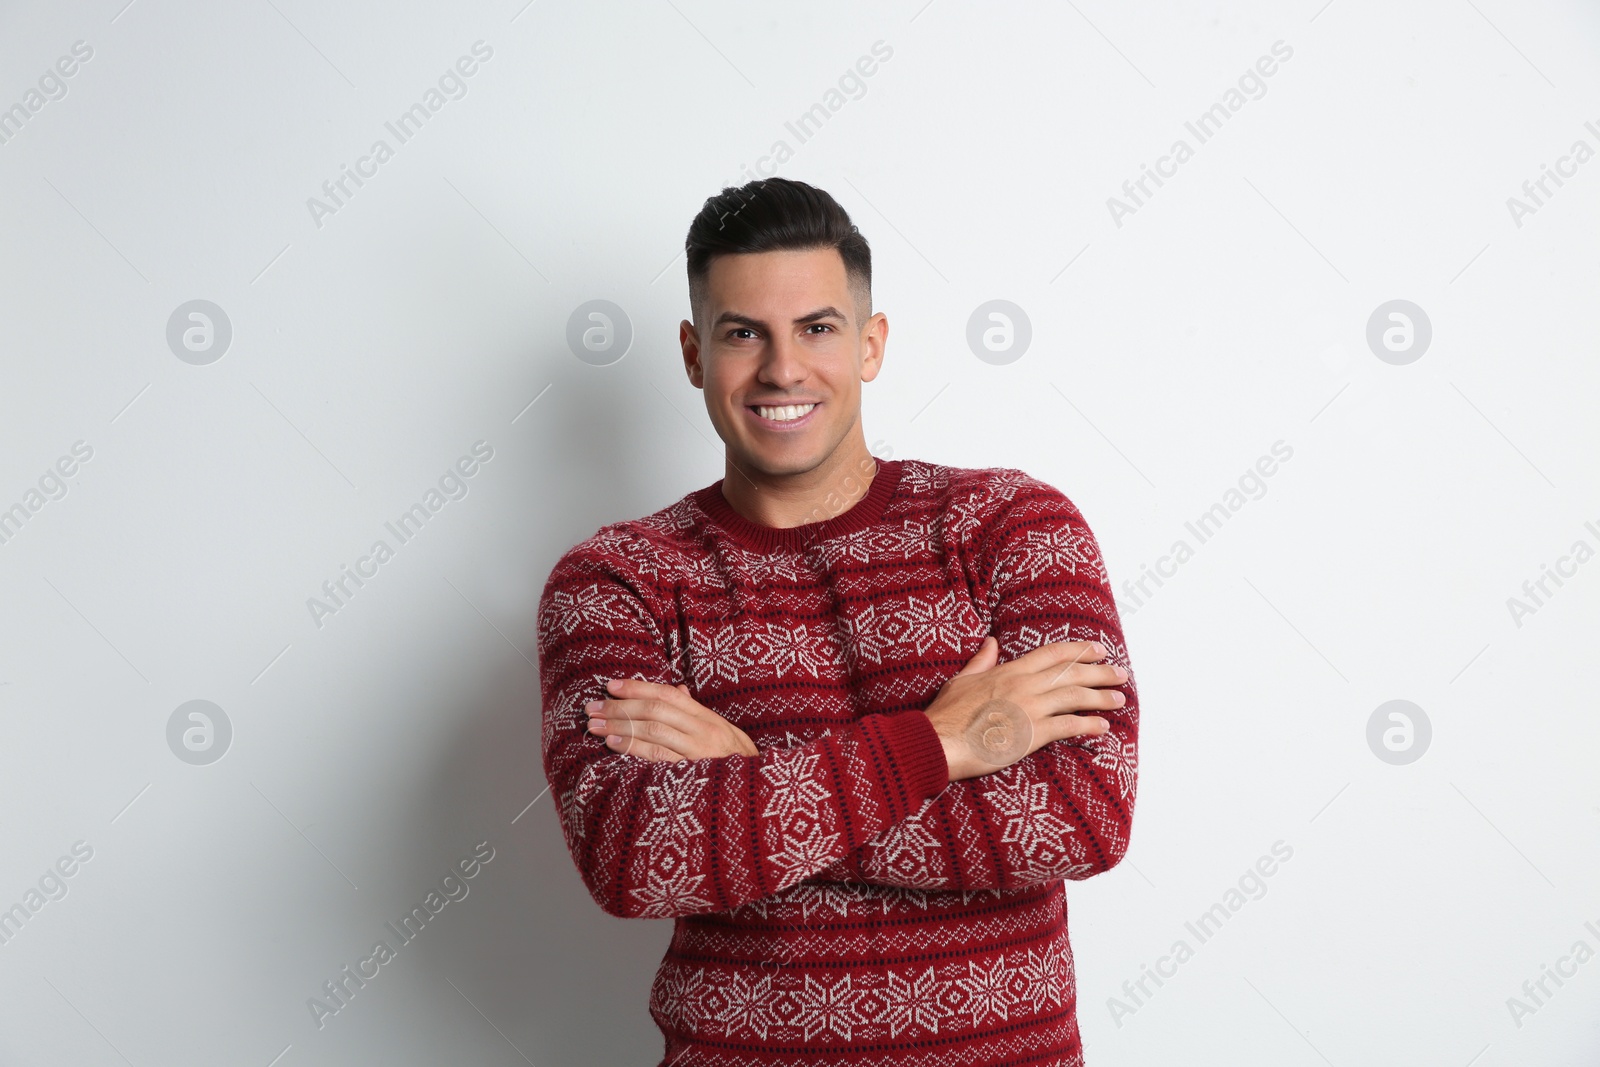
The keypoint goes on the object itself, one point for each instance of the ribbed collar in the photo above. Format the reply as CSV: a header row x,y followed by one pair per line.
x,y
754,535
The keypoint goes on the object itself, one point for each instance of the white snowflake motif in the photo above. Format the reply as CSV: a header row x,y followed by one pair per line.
x,y
1121,759
596,605
703,572
920,477
913,539
1028,638
679,516
679,992
908,851
718,654
672,807
835,897
824,1008
793,649
912,1002
1061,547
1043,977
804,854
929,623
1005,481
747,1005
1039,835
988,989
862,546
863,636
966,516
765,569
795,785
666,895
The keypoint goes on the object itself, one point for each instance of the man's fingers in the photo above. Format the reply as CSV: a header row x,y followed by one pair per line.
x,y
1068,726
987,656
1058,654
1070,698
650,723
639,689
1088,674
646,750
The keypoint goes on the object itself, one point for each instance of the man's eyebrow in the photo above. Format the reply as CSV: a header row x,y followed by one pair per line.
x,y
829,312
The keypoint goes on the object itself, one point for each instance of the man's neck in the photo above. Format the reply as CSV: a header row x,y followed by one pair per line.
x,y
785,501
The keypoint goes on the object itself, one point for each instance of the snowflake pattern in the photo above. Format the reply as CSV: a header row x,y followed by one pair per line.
x,y
943,926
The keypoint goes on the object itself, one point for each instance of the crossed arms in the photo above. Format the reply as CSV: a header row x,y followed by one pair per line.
x,y
870,801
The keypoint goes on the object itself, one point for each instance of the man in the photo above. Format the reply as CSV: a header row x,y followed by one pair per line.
x,y
849,721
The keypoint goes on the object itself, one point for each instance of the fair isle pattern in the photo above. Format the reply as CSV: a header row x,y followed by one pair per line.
x,y
836,900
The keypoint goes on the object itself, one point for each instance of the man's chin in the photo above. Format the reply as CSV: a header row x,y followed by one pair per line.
x,y
778,463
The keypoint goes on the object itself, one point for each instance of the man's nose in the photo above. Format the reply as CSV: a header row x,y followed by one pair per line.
x,y
784,363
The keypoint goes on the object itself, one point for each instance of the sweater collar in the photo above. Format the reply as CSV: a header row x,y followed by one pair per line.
x,y
761,538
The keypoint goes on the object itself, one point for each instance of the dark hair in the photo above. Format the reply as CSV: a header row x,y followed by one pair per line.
x,y
769,215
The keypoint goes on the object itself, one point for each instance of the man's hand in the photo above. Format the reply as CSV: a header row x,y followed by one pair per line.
x,y
663,723
990,716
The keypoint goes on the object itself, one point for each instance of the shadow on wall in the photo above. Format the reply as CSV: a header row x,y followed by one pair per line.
x,y
566,983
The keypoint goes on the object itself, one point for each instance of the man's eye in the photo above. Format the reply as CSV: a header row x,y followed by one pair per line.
x,y
819,326
739,330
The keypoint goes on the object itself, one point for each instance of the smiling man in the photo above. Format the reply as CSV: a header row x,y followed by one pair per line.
x,y
850,722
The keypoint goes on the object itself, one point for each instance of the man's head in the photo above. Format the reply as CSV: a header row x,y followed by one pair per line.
x,y
780,286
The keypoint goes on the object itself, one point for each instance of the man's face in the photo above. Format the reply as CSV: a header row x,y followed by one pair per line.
x,y
781,330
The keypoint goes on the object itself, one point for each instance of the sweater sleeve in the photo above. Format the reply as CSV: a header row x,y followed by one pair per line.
x,y
1065,810
660,840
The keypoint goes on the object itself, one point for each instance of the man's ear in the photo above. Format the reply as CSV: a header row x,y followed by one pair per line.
x,y
689,341
874,339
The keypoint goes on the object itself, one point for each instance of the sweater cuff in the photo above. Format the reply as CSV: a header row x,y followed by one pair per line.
x,y
917,754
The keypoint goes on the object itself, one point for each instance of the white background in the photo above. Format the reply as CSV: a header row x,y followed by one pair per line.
x,y
1168,354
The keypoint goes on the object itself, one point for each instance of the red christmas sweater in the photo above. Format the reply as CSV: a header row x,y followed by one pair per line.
x,y
836,900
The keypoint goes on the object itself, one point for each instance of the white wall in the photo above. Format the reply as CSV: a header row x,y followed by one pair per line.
x,y
1172,346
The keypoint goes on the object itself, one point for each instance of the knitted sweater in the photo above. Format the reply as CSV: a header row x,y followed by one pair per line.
x,y
836,900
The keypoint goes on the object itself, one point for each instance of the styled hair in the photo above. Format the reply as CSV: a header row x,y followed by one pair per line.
x,y
769,215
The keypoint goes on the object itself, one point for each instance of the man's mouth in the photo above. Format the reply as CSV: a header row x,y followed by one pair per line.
x,y
782,415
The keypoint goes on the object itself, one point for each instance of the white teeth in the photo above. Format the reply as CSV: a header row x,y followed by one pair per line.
x,y
784,414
